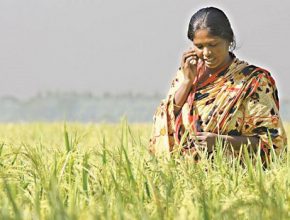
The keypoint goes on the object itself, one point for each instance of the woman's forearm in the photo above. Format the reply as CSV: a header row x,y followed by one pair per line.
x,y
238,141
181,96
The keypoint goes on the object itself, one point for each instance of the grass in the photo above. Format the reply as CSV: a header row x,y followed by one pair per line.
x,y
104,171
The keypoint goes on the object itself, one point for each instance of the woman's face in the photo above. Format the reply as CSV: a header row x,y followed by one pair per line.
x,y
214,51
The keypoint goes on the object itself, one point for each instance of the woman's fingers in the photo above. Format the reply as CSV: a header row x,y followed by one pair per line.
x,y
193,61
190,60
203,136
199,141
189,64
187,55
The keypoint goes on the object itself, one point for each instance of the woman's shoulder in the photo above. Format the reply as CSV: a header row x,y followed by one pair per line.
x,y
259,82
251,71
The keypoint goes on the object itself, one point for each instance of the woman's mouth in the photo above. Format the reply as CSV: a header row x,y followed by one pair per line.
x,y
209,61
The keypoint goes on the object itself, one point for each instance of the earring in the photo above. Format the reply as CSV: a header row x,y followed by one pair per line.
x,y
231,47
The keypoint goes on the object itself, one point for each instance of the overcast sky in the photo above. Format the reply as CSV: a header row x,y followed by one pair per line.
x,y
129,45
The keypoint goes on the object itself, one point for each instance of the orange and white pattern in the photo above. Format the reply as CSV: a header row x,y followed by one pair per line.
x,y
239,100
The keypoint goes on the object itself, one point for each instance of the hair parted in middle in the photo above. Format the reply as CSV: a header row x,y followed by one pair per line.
x,y
215,21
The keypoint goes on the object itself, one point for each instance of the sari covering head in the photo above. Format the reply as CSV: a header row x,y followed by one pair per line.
x,y
240,100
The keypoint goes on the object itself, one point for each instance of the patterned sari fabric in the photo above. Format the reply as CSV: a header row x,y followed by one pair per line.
x,y
239,100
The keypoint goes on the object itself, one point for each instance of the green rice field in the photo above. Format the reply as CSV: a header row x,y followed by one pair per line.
x,y
104,171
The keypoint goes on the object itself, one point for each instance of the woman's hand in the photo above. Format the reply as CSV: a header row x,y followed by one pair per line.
x,y
203,141
208,138
189,65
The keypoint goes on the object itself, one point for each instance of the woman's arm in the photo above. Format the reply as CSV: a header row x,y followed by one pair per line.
x,y
238,141
181,95
235,141
189,68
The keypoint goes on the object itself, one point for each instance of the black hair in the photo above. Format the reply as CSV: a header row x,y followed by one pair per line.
x,y
215,21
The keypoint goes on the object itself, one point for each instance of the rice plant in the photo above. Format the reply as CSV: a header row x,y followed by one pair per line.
x,y
104,171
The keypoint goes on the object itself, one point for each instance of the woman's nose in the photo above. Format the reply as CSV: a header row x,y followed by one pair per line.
x,y
206,52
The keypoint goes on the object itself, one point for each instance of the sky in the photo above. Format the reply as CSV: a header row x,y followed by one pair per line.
x,y
101,46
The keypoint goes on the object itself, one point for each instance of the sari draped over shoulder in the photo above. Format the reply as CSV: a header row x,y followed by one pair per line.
x,y
239,100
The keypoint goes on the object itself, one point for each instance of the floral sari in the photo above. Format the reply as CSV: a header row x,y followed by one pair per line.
x,y
241,99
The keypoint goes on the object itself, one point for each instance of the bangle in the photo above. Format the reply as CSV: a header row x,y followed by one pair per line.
x,y
178,106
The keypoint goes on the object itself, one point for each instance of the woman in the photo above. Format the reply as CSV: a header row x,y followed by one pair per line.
x,y
216,95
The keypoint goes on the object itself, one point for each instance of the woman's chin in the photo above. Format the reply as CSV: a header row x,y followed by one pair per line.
x,y
210,65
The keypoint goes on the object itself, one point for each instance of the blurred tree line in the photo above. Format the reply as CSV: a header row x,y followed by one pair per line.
x,y
83,107
86,107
